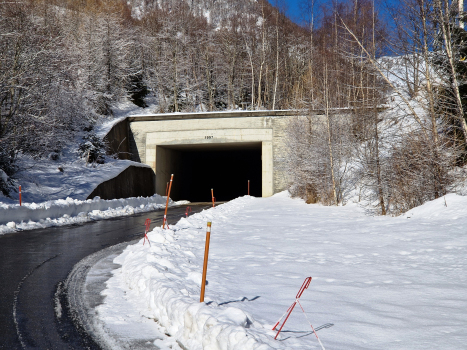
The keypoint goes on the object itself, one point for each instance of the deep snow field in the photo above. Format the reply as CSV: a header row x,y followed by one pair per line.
x,y
378,282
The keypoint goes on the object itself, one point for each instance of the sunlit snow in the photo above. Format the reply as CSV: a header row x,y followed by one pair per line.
x,y
378,282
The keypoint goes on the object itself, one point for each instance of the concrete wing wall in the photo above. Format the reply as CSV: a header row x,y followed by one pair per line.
x,y
134,181
118,140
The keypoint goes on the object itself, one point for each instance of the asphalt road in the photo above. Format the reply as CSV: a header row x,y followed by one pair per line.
x,y
33,267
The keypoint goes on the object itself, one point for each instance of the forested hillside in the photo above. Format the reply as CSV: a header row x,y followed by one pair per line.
x,y
65,64
403,140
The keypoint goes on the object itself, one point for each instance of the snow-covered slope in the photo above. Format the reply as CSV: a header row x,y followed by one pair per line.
x,y
378,282
54,192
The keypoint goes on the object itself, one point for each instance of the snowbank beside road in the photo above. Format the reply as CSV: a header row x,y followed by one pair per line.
x,y
169,287
69,211
378,282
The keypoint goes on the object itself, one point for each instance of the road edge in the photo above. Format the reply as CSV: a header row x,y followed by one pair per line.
x,y
82,313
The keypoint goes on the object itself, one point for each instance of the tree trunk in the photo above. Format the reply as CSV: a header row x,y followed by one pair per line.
x,y
328,121
449,52
277,62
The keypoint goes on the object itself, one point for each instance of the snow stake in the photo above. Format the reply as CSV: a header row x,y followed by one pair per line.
x,y
205,265
187,211
20,196
248,187
167,203
212,195
304,286
147,224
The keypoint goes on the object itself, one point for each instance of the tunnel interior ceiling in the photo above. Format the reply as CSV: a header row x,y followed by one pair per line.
x,y
225,146
197,168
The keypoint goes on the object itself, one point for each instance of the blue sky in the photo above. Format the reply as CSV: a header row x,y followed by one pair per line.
x,y
293,10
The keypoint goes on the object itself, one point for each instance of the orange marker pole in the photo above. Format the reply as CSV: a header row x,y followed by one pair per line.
x,y
212,195
205,265
20,196
167,204
248,187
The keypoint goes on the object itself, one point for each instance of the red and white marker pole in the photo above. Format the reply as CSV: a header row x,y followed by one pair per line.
x,y
147,224
167,203
304,286
187,211
205,265
20,196
212,195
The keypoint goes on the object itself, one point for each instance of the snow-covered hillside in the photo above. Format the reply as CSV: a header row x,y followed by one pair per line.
x,y
68,175
214,11
54,192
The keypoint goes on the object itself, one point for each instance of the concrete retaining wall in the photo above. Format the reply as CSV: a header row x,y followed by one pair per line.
x,y
118,140
134,181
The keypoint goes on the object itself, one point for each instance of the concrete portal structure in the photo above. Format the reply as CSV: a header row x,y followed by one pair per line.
x,y
166,142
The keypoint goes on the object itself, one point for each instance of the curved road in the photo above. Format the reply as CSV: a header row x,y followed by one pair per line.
x,y
33,266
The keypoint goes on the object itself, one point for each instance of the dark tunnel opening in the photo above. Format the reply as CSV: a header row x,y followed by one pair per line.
x,y
225,168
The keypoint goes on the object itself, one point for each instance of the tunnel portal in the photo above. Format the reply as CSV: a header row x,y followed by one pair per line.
x,y
197,168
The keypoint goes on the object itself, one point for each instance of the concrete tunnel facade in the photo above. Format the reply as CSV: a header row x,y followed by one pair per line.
x,y
220,150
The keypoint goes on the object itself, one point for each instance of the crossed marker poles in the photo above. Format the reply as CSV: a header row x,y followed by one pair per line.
x,y
304,286
147,224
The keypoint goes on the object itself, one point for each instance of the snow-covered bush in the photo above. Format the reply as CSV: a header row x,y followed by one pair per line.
x,y
92,149
7,169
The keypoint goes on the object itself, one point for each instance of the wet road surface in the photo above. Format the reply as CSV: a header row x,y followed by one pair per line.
x,y
33,266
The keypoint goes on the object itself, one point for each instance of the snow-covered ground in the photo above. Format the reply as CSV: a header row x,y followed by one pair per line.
x,y
43,181
378,282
